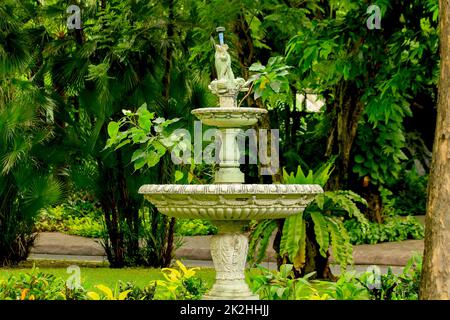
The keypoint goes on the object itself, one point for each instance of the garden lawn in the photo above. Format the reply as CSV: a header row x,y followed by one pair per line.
x,y
90,277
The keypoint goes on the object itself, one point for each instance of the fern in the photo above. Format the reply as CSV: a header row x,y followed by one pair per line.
x,y
326,212
291,236
340,242
300,258
320,176
321,232
343,203
265,239
259,240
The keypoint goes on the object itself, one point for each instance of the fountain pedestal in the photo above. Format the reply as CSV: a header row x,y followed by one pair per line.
x,y
228,171
229,250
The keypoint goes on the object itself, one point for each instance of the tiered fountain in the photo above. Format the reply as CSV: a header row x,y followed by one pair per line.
x,y
229,203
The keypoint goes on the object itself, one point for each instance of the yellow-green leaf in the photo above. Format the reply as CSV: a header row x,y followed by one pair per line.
x,y
123,295
300,258
93,295
321,232
107,291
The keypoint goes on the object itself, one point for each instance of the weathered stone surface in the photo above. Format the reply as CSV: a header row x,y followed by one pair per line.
x,y
231,201
229,117
229,254
63,244
388,253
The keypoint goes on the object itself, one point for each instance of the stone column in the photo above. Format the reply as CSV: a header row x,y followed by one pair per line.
x,y
229,171
229,253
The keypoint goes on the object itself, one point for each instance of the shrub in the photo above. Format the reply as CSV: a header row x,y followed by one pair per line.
x,y
136,293
36,285
282,285
410,194
180,284
392,287
194,227
326,214
393,229
63,218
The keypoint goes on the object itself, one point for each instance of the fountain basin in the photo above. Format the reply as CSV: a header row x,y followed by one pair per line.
x,y
230,201
229,117
229,207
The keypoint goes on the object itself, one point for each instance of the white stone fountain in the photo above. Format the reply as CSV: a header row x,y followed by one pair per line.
x,y
229,203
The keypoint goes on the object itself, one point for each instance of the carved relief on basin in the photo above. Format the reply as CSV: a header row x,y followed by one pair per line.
x,y
230,201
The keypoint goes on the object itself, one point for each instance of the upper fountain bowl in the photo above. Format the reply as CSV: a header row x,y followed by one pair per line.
x,y
229,117
230,201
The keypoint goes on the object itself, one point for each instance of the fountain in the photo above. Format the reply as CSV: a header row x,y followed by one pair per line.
x,y
229,203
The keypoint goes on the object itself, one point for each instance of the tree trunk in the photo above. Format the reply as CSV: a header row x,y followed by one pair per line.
x,y
435,282
348,109
165,164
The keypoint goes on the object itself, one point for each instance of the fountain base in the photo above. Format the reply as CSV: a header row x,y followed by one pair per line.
x,y
230,290
229,253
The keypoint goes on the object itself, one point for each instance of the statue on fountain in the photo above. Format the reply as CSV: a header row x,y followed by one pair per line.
x,y
226,86
223,63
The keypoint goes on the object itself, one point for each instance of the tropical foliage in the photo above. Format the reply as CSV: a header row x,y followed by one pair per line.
x,y
324,216
369,285
180,283
393,229
134,67
26,182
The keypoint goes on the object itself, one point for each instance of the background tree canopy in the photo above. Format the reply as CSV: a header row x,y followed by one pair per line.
x,y
61,87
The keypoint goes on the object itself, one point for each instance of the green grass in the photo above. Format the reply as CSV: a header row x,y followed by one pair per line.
x,y
91,276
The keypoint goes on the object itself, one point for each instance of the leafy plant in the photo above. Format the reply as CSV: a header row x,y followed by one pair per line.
x,y
62,219
26,182
180,284
393,229
141,128
194,227
326,213
108,294
347,287
270,82
282,285
86,227
392,287
137,293
36,285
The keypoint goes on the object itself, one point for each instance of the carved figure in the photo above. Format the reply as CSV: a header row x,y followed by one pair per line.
x,y
223,63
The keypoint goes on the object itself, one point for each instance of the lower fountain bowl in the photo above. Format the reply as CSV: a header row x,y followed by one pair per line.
x,y
230,201
229,117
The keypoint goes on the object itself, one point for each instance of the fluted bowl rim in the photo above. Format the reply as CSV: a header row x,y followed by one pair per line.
x,y
231,189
